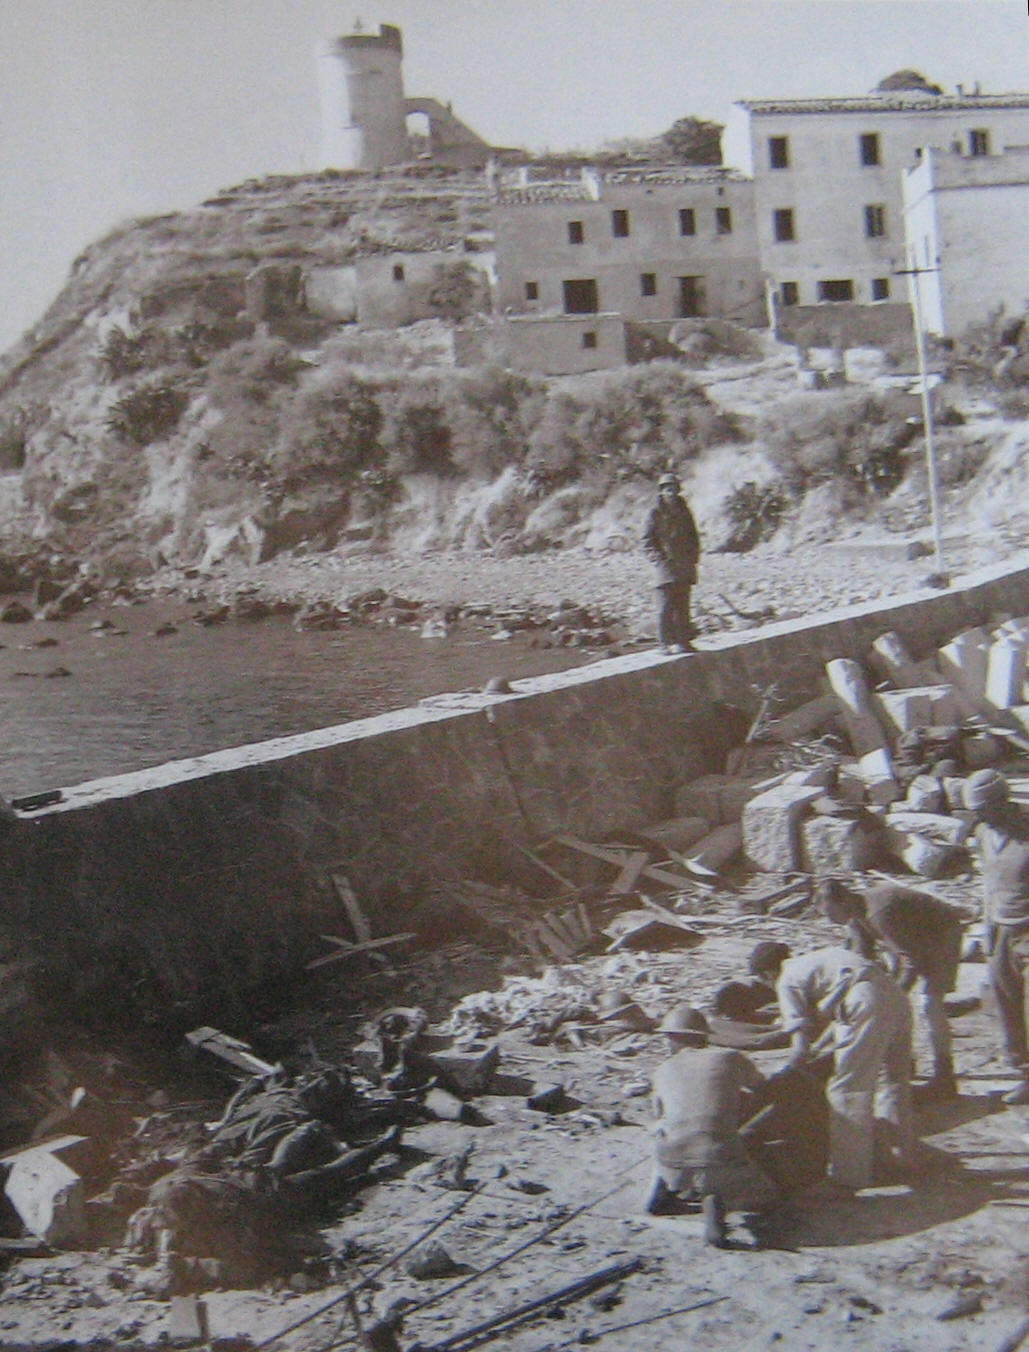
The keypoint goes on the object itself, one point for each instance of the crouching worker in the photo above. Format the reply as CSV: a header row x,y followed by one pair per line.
x,y
702,1098
833,997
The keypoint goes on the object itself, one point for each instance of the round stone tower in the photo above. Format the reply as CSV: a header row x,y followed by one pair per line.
x,y
361,86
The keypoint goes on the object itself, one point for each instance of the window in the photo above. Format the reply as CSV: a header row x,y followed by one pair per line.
x,y
782,224
398,272
869,143
875,221
580,296
589,338
687,221
691,297
575,232
723,221
790,293
532,290
620,223
880,288
837,290
648,283
778,152
979,142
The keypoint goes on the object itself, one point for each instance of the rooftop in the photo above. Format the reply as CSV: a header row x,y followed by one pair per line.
x,y
579,189
895,101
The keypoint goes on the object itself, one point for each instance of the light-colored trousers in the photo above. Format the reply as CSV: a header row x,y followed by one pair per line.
x,y
871,1077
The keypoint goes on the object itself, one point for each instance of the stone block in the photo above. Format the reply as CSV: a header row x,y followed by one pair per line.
x,y
829,844
981,750
771,821
718,848
187,1321
876,769
47,1194
808,718
925,794
918,707
1005,672
963,661
851,690
937,826
890,658
917,852
823,775
469,1070
719,799
679,833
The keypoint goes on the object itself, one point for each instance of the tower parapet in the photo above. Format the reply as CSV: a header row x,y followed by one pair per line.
x,y
361,86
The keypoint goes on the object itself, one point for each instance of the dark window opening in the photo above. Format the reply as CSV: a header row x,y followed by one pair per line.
x,y
398,272
723,221
580,296
620,223
875,221
779,152
880,288
979,142
691,297
648,283
687,221
532,290
790,293
842,289
782,224
575,232
869,142
589,338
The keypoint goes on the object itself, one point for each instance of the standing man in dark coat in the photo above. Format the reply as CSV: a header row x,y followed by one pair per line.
x,y
672,544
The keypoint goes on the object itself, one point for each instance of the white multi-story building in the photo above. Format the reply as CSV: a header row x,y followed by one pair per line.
x,y
967,222
827,175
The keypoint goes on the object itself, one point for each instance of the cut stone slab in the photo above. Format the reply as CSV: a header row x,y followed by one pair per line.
x,y
771,836
719,799
889,656
918,707
876,769
831,844
469,1071
916,851
937,826
963,661
1005,673
851,690
48,1195
811,717
187,1321
925,794
718,848
981,750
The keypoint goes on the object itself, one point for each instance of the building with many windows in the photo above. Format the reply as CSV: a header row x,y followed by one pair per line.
x,y
827,181
650,245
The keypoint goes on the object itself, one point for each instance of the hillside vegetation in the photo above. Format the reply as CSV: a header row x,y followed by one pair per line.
x,y
152,421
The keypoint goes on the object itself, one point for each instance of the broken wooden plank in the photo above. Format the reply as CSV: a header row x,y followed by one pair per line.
x,y
630,874
346,894
545,867
658,875
347,950
231,1050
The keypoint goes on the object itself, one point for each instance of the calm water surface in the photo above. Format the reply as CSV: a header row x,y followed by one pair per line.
x,y
135,700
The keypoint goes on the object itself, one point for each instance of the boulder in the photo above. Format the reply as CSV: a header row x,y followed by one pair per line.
x,y
771,826
830,845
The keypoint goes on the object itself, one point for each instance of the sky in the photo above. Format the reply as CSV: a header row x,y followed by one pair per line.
x,y
112,109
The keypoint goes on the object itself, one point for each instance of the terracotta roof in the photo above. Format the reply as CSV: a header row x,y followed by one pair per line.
x,y
686,173
899,101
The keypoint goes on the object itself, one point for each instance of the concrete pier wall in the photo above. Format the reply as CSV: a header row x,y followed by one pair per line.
x,y
212,873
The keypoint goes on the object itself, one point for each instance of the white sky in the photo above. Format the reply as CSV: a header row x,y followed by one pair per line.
x,y
119,108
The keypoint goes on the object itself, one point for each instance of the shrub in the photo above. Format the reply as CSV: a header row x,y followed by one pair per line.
x,y
491,413
329,432
454,290
416,433
254,369
124,354
837,434
754,512
147,413
15,431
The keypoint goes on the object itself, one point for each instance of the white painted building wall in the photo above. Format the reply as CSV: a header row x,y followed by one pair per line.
x,y
967,219
827,185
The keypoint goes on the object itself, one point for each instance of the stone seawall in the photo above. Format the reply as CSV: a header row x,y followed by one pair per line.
x,y
211,874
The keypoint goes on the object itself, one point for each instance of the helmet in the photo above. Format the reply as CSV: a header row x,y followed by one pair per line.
x,y
666,479
620,1008
985,788
684,1019
767,954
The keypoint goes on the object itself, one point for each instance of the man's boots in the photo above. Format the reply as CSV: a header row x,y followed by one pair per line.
x,y
714,1220
942,1086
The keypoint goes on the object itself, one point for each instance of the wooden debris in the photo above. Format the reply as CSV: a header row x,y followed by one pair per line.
x,y
341,886
345,949
630,873
545,867
231,1050
658,875
562,934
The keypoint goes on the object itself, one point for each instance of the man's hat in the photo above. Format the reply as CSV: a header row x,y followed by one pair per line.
x,y
672,479
766,954
685,1021
985,788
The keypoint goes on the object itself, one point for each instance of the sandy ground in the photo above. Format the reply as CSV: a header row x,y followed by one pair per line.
x,y
876,1271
